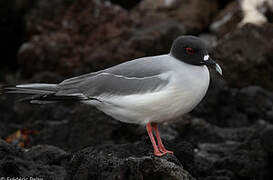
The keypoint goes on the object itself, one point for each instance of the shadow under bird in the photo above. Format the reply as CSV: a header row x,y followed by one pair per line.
x,y
148,90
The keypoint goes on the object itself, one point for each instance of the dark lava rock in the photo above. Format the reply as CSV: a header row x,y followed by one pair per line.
x,y
84,36
11,32
246,56
8,117
15,163
234,153
45,16
6,149
249,160
67,38
269,116
151,40
47,154
71,126
126,4
130,161
224,138
255,101
230,107
238,13
195,14
227,20
267,140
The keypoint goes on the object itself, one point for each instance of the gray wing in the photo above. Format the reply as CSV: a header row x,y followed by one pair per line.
x,y
110,84
139,68
137,76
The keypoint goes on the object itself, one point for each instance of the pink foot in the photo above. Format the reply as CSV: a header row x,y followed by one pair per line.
x,y
158,153
164,150
167,152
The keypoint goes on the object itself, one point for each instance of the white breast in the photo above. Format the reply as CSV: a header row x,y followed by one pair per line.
x,y
187,88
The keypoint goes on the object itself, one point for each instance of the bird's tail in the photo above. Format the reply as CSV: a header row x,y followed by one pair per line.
x,y
41,93
35,93
35,89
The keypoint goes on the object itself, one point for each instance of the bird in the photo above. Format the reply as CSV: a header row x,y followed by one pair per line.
x,y
146,91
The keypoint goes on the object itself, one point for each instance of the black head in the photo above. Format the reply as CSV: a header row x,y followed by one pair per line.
x,y
192,50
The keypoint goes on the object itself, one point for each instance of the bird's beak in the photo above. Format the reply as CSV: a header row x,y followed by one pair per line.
x,y
210,62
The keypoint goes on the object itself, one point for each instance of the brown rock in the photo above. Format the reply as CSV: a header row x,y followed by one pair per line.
x,y
89,36
149,41
227,20
246,56
239,13
83,29
196,15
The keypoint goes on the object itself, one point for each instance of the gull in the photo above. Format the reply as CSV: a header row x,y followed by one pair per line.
x,y
146,91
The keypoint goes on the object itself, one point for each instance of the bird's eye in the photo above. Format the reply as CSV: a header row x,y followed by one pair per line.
x,y
189,51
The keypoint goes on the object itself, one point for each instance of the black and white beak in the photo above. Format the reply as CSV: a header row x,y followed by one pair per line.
x,y
210,62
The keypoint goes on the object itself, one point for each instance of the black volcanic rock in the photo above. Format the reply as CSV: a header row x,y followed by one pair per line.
x,y
232,107
15,163
246,56
82,127
234,153
151,40
195,14
6,149
65,34
227,137
130,161
73,40
228,19
126,4
47,154
267,140
11,32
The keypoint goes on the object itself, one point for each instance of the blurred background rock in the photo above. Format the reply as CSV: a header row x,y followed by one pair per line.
x,y
228,136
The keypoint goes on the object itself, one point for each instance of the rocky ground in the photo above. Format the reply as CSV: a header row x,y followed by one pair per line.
x,y
227,137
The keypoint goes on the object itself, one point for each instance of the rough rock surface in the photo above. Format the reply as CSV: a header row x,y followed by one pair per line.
x,y
84,39
239,107
17,163
238,13
228,19
114,162
195,14
208,149
246,55
87,36
228,136
105,162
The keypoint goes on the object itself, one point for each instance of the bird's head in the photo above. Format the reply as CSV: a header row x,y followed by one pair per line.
x,y
192,50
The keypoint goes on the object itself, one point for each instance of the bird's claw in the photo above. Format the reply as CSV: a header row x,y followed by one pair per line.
x,y
158,153
162,152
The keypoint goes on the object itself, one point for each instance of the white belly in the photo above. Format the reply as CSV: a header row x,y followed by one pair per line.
x,y
183,93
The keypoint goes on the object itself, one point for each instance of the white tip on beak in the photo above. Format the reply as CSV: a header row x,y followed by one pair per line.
x,y
218,69
206,57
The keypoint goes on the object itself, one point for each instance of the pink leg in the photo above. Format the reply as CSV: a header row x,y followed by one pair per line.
x,y
159,141
150,132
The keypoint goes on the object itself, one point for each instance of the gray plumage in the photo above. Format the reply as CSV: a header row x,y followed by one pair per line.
x,y
149,89
130,77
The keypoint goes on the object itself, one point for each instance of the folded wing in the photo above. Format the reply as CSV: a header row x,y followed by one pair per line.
x,y
106,84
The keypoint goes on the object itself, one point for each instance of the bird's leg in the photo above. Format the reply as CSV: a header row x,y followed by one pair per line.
x,y
159,141
150,132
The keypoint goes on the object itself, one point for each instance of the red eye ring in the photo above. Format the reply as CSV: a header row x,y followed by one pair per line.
x,y
189,51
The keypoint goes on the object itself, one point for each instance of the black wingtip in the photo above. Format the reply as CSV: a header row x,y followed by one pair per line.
x,y
5,88
2,89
